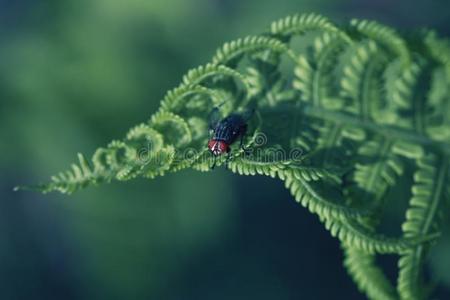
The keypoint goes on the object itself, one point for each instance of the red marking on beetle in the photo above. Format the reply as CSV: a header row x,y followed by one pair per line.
x,y
218,147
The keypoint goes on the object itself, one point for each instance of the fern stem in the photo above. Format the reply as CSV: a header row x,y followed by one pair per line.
x,y
386,130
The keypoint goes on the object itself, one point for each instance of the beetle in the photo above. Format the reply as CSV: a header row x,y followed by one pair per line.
x,y
224,132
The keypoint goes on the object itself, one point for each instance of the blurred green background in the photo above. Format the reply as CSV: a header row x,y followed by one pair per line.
x,y
75,75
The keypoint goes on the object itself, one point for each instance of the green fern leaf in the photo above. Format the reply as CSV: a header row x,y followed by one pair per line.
x,y
369,278
360,108
385,36
421,218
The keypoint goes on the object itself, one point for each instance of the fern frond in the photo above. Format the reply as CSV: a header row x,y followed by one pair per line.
x,y
302,23
369,278
248,167
428,192
357,236
384,35
177,130
174,98
408,149
299,183
360,81
158,162
439,50
78,177
402,94
361,105
378,172
196,76
232,50
437,106
144,136
407,97
297,178
314,75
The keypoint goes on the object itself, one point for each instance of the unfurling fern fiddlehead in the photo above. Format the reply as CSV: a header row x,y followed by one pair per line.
x,y
362,109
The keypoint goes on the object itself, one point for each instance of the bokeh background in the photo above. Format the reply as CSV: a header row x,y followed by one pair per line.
x,y
75,75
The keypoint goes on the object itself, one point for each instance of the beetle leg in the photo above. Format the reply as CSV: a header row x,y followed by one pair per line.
x,y
228,159
241,144
214,163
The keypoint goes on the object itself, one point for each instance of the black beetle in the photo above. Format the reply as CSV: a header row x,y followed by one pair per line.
x,y
226,131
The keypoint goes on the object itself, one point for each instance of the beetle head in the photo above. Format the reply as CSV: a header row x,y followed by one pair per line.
x,y
218,147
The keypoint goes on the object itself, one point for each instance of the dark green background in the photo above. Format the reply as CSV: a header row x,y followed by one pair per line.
x,y
75,75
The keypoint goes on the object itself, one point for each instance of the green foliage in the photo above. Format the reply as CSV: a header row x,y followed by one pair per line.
x,y
368,111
